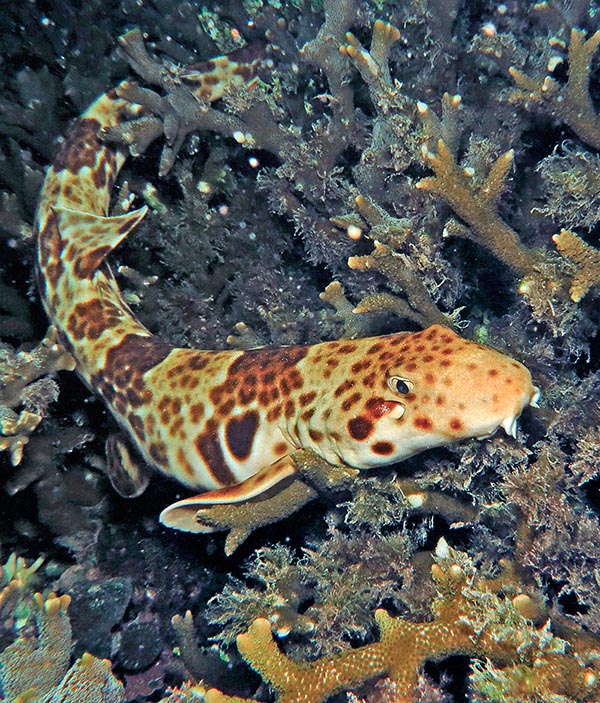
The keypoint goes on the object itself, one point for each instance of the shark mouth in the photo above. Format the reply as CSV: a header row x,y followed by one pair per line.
x,y
510,424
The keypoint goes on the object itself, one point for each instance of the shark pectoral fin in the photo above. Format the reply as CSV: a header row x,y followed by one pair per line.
x,y
92,237
241,519
128,473
182,515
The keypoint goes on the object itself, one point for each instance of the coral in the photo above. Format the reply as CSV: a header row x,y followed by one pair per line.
x,y
570,103
585,258
24,382
37,668
492,618
15,578
476,203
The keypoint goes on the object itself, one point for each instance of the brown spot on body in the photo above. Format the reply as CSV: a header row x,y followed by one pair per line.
x,y
225,409
342,388
493,372
50,242
80,147
90,319
455,424
264,398
198,361
378,407
349,402
423,423
281,448
307,414
137,425
247,394
347,349
274,413
196,412
377,347
360,366
315,435
150,424
240,433
277,360
289,409
158,453
100,175
369,380
383,448
360,427
306,398
209,449
188,469
296,379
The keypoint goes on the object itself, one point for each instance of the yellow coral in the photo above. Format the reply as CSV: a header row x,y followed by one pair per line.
x,y
585,258
470,617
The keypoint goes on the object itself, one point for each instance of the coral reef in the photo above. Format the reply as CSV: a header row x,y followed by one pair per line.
x,y
394,164
490,618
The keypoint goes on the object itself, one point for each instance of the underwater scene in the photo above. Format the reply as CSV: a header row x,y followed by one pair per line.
x,y
299,353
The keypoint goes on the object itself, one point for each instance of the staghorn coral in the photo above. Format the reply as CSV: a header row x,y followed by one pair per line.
x,y
491,618
586,260
570,103
37,668
24,382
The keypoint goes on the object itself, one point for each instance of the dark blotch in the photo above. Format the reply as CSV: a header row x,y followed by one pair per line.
x,y
240,432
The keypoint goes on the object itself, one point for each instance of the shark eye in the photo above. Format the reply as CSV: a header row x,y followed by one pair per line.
x,y
399,385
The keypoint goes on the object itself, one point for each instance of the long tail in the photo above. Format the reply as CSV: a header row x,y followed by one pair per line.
x,y
75,233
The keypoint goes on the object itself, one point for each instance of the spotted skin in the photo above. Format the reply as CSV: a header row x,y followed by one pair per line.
x,y
226,422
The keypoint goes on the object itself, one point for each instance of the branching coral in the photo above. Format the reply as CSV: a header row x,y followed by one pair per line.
x,y
34,668
585,258
477,204
570,103
471,615
24,382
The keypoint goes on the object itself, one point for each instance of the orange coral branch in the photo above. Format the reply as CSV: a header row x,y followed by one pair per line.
x,y
469,618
